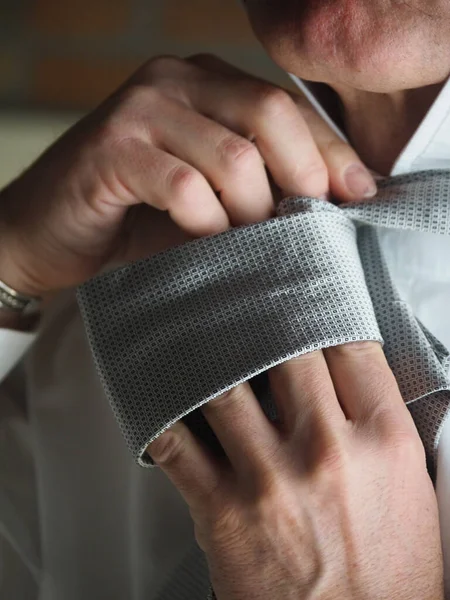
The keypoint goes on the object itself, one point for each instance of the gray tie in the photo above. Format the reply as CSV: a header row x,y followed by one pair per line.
x,y
174,331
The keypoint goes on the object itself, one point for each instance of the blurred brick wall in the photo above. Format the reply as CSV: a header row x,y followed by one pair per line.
x,y
69,54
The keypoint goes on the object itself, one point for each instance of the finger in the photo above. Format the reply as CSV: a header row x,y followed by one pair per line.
x,y
139,172
350,180
364,383
231,164
304,395
247,436
189,466
268,116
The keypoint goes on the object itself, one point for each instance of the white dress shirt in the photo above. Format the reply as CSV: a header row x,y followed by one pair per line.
x,y
78,519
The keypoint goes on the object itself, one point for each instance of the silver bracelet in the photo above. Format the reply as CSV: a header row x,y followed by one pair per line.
x,y
13,301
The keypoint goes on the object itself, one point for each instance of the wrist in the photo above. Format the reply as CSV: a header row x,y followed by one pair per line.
x,y
24,314
18,280
19,310
16,277
13,268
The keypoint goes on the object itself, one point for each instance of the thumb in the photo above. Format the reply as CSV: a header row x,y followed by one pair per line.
x,y
350,180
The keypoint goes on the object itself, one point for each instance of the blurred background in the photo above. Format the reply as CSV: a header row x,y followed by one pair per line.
x,y
60,58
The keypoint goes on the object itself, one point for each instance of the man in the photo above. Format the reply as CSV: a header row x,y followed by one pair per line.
x,y
355,510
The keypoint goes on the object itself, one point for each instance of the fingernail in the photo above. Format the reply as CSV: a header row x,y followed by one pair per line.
x,y
360,182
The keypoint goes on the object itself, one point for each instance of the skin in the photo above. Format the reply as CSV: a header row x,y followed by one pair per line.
x,y
166,158
381,46
334,501
301,509
385,59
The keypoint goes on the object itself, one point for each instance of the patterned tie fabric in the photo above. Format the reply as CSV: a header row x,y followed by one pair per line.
x,y
174,331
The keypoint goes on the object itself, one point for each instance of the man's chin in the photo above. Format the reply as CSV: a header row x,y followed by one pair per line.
x,y
386,74
358,47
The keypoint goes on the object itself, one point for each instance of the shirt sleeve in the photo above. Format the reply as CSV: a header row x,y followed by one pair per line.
x,y
13,345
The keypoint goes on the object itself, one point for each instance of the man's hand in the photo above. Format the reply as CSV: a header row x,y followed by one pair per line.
x,y
191,142
333,502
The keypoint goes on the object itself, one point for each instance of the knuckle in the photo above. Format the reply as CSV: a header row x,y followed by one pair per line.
x,y
273,101
167,76
393,432
401,443
167,449
329,459
183,181
119,146
162,65
333,459
128,113
147,102
138,98
238,153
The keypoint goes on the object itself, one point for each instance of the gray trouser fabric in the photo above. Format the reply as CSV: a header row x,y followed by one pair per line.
x,y
174,331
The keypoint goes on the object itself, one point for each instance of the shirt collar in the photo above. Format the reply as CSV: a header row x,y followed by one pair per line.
x,y
429,148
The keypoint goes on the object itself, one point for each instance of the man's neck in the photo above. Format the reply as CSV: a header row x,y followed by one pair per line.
x,y
380,125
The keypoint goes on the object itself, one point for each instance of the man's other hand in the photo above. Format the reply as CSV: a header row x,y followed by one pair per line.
x,y
332,502
183,149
